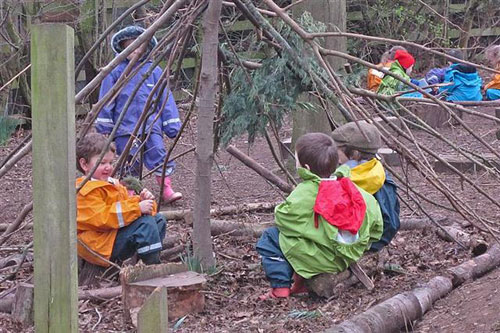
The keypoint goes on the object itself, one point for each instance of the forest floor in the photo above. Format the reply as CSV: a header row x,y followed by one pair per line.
x,y
232,292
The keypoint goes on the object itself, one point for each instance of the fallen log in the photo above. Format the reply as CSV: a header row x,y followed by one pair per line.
x,y
399,311
218,227
101,294
234,209
419,223
170,254
252,164
180,213
14,260
476,267
477,245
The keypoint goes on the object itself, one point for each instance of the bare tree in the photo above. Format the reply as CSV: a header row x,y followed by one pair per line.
x,y
202,238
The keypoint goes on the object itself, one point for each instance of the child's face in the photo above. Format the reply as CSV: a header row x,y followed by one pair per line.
x,y
103,171
342,156
297,163
409,70
137,52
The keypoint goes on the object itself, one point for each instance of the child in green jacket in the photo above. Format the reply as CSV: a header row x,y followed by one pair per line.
x,y
402,66
323,226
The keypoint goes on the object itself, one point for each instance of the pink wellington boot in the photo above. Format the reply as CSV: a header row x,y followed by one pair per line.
x,y
169,195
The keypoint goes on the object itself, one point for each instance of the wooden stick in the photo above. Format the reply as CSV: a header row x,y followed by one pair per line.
x,y
361,275
252,164
12,161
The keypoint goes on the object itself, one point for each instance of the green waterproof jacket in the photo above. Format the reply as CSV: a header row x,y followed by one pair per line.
x,y
391,85
313,250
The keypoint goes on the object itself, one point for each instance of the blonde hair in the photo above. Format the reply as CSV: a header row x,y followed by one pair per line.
x,y
493,55
385,57
392,51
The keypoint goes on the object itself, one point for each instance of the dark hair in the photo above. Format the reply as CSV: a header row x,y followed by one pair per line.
x,y
392,51
91,145
456,53
319,152
492,53
350,151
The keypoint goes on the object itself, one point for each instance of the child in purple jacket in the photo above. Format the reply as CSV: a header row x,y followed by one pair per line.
x,y
167,122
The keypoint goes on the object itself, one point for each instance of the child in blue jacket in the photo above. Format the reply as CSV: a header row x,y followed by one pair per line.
x,y
466,82
167,122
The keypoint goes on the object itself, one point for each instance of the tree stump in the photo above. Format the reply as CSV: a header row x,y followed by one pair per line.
x,y
184,289
331,284
23,306
389,156
91,275
433,115
463,164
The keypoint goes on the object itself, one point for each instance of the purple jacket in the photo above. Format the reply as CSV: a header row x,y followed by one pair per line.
x,y
435,75
168,121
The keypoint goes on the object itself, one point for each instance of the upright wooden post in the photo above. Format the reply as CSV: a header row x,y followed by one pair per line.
x,y
333,14
153,316
53,110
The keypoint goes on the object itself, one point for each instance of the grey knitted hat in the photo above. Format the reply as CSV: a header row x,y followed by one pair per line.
x,y
130,32
351,135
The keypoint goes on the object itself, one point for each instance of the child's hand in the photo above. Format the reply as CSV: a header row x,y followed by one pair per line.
x,y
146,195
146,207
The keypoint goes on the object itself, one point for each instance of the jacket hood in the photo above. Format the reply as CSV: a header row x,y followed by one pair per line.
x,y
130,32
94,183
341,204
370,176
466,78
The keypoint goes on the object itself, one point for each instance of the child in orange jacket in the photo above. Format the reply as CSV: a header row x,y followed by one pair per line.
x,y
492,89
110,222
375,77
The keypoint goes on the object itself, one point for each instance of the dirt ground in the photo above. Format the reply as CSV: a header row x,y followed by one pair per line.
x,y
231,292
472,307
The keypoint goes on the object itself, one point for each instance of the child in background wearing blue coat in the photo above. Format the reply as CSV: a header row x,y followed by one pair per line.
x,y
167,122
466,82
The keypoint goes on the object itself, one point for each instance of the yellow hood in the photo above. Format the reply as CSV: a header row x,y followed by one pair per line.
x,y
370,176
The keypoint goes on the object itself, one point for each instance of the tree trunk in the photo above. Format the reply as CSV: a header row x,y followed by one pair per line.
x,y
470,11
86,36
333,14
202,239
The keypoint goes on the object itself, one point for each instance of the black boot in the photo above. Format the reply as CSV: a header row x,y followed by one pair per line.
x,y
152,258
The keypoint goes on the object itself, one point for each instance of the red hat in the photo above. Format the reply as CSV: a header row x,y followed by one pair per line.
x,y
404,58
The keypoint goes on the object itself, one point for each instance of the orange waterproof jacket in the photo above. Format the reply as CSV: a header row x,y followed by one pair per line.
x,y
375,77
103,208
495,82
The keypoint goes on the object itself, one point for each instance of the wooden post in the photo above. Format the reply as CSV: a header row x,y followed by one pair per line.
x,y
153,316
54,211
333,14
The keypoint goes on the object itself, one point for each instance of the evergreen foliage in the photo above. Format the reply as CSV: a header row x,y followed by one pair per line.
x,y
7,127
271,91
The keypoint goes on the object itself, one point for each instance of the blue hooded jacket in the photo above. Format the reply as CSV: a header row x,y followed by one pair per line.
x,y
466,83
168,122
